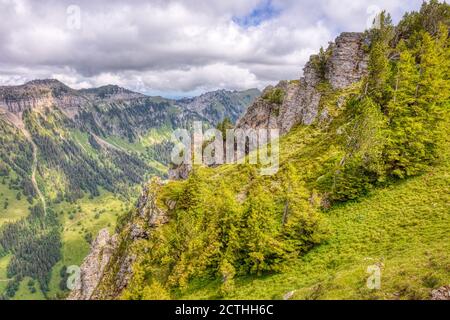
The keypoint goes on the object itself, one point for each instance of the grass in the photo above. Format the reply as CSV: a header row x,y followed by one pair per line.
x,y
24,292
3,278
88,216
124,144
17,209
404,229
82,138
83,217
152,137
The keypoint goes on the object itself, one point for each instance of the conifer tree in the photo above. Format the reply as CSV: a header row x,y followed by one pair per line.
x,y
401,112
379,67
418,105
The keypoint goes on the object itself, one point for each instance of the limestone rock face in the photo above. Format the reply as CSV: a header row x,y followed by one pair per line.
x,y
349,62
346,65
41,94
105,265
94,265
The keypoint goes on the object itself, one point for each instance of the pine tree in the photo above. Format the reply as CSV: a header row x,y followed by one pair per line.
x,y
418,105
379,66
264,250
303,226
402,119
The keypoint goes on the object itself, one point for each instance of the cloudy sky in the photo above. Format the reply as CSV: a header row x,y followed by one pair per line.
x,y
173,48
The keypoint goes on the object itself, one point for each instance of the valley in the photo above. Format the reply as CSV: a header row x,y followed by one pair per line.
x,y
68,134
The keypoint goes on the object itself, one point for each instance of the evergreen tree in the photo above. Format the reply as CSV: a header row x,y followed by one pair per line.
x,y
379,66
400,111
260,233
418,105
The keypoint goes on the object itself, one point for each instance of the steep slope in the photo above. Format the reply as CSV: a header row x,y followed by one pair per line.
x,y
241,181
361,185
401,228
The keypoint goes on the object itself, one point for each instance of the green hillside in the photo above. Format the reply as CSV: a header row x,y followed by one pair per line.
x,y
365,186
405,227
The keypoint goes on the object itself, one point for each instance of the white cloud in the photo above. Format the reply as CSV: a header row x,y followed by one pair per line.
x,y
171,47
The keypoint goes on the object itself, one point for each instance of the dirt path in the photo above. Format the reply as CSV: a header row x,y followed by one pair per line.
x,y
16,120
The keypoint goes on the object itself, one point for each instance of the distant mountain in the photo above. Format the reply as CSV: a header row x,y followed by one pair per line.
x,y
217,105
60,146
48,112
112,110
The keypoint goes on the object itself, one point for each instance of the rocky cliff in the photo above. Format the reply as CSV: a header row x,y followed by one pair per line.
x,y
346,63
109,264
39,94
94,265
343,63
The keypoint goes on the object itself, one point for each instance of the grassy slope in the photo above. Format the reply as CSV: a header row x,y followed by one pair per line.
x,y
107,208
404,227
16,210
75,247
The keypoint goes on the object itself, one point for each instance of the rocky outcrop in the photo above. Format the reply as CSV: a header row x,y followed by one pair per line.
x,y
94,266
348,62
442,293
147,207
346,65
116,267
180,172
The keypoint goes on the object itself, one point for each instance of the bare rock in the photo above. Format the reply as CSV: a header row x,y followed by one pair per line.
x,y
180,172
40,94
346,65
148,216
148,209
94,265
348,62
442,293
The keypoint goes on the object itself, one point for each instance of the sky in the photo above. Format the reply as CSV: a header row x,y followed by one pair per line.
x,y
174,48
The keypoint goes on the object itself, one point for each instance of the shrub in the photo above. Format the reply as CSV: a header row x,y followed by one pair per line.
x,y
275,96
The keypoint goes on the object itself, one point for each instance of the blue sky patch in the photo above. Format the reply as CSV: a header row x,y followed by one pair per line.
x,y
264,11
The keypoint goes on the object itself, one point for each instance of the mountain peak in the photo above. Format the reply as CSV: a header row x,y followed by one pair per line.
x,y
45,82
111,91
